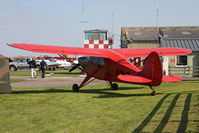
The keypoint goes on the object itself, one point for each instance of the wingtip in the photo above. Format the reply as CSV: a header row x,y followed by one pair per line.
x,y
12,44
189,51
9,44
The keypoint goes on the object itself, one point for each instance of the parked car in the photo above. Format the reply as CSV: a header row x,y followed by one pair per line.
x,y
19,64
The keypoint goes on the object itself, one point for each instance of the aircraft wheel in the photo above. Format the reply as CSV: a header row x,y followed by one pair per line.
x,y
153,93
75,88
114,86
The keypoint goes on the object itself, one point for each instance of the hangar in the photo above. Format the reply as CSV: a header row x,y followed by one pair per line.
x,y
181,37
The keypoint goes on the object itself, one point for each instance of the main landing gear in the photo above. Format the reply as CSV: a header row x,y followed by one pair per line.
x,y
86,81
75,88
114,86
153,93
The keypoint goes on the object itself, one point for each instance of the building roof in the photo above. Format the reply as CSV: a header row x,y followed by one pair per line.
x,y
179,32
143,35
151,33
187,43
140,33
96,31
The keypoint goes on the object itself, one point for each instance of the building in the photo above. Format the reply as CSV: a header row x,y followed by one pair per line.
x,y
181,37
183,64
96,39
139,37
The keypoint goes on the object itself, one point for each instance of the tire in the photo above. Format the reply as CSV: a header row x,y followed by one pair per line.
x,y
13,68
153,93
75,88
114,86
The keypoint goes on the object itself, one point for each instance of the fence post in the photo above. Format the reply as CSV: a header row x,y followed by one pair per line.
x,y
189,71
184,70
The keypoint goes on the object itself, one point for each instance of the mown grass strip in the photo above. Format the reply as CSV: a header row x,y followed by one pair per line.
x,y
150,116
184,119
167,115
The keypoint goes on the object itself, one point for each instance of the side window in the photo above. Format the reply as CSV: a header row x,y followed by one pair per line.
x,y
181,60
119,72
22,60
28,60
101,61
97,60
122,72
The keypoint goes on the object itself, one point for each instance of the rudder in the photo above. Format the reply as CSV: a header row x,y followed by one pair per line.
x,y
153,69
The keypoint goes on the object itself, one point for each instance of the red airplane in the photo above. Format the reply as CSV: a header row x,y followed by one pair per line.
x,y
112,65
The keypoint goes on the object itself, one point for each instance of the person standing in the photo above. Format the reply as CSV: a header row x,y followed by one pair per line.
x,y
43,66
33,66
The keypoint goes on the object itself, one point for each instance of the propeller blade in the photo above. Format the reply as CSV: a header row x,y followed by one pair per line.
x,y
74,67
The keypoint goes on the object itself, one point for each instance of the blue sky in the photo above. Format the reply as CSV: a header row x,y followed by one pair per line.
x,y
53,22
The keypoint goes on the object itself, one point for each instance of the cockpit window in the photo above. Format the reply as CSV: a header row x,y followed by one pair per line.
x,y
97,60
83,59
91,60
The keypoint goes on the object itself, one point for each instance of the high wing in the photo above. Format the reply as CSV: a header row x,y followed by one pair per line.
x,y
143,52
58,49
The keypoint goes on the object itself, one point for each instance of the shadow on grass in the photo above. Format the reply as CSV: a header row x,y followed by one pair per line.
x,y
184,119
103,93
184,116
107,93
52,90
150,116
167,115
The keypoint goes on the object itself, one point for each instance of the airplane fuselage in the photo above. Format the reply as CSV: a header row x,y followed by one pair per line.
x,y
104,68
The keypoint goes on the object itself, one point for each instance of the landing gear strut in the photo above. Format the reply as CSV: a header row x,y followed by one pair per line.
x,y
152,93
84,82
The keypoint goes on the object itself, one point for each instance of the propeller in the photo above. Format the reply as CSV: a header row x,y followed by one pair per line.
x,y
74,67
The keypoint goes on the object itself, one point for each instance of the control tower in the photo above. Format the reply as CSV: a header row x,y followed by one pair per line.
x,y
96,39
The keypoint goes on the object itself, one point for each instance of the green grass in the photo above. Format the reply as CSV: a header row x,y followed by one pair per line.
x,y
22,73
63,74
97,109
19,73
16,80
55,73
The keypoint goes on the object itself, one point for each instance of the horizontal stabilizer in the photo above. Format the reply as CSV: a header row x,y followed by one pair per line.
x,y
171,78
131,78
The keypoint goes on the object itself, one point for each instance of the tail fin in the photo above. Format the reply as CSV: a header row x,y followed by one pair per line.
x,y
153,69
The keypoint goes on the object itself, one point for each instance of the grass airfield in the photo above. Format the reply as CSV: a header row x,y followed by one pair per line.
x,y
97,109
